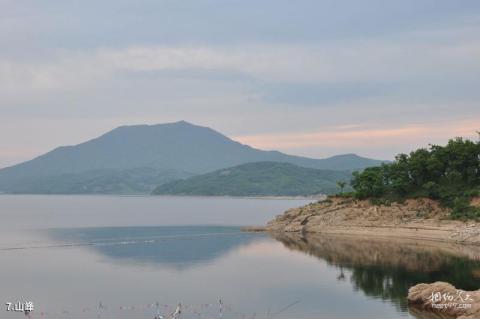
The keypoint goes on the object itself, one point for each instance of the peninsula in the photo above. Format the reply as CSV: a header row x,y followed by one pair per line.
x,y
431,193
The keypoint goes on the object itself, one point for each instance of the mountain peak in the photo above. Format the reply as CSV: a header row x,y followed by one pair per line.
x,y
183,122
178,148
177,123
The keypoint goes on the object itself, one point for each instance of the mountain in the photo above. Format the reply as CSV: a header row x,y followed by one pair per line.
x,y
258,179
102,181
169,151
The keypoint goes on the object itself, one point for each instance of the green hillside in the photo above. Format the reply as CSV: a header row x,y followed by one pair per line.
x,y
105,181
136,159
450,174
258,179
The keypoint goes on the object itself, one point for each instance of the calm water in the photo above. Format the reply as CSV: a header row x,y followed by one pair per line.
x,y
131,257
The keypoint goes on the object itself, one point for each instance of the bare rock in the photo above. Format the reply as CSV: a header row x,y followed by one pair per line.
x,y
420,218
443,298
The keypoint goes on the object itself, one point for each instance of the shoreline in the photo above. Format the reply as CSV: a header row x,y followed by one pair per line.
x,y
308,198
420,219
379,232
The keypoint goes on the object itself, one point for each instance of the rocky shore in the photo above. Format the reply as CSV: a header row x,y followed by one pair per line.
x,y
443,298
414,219
347,231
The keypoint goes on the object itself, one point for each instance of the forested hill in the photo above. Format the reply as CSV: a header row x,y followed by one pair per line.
x,y
136,159
450,174
258,179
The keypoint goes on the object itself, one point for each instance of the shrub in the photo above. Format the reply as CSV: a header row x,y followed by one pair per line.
x,y
380,201
462,209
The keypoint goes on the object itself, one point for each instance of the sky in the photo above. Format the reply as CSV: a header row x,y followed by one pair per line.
x,y
307,77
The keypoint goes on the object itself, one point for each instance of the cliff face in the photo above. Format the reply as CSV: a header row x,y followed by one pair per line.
x,y
416,218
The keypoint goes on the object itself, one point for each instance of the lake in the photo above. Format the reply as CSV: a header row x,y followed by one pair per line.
x,y
133,257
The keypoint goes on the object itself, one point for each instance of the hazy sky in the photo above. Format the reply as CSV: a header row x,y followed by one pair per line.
x,y
315,78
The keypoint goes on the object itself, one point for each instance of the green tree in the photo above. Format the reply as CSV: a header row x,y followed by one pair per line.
x,y
370,182
449,173
341,185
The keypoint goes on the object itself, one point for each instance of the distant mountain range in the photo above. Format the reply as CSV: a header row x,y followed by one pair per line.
x,y
258,179
136,159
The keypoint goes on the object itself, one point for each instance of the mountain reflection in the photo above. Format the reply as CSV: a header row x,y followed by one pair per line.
x,y
386,269
177,247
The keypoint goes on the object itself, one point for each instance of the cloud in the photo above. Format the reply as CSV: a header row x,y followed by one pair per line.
x,y
246,70
357,137
399,59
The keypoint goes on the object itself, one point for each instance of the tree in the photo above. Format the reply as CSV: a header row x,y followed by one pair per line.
x,y
370,182
341,185
450,174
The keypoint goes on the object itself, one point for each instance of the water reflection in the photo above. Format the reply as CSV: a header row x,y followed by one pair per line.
x,y
385,269
175,247
382,270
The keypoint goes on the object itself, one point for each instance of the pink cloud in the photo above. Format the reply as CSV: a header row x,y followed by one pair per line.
x,y
354,136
